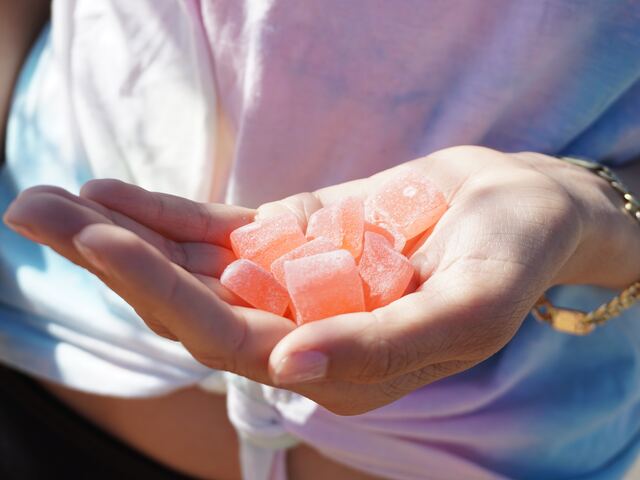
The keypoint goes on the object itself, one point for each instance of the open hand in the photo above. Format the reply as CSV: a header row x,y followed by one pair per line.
x,y
517,224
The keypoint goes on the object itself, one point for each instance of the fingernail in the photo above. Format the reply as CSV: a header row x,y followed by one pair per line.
x,y
89,255
301,367
21,229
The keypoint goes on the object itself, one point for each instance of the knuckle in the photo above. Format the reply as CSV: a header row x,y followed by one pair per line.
x,y
159,206
204,217
161,330
176,252
213,360
154,324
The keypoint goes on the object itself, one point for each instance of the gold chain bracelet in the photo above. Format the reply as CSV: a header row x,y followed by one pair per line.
x,y
581,323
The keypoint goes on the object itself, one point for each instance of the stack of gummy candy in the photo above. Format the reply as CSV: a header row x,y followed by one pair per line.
x,y
349,260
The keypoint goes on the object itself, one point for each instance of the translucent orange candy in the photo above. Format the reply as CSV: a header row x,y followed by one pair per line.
x,y
256,286
410,202
324,285
342,224
389,232
263,241
319,278
385,272
318,245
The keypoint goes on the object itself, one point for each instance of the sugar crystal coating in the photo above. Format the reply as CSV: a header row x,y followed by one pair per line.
x,y
385,272
265,240
256,286
342,224
281,272
313,247
324,285
388,231
409,201
325,223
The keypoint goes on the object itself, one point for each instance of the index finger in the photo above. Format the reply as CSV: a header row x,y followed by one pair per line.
x,y
218,335
178,218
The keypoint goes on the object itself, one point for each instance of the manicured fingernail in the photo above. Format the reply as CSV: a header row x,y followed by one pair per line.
x,y
301,367
89,255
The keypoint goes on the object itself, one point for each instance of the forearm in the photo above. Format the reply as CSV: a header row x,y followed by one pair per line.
x,y
20,23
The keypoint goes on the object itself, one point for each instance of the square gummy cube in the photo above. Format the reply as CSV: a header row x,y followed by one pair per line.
x,y
342,224
324,285
256,286
265,240
410,202
315,246
385,272
388,231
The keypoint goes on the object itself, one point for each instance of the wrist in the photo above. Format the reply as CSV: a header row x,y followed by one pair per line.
x,y
606,253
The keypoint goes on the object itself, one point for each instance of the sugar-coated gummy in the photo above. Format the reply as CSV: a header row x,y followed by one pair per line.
x,y
409,201
266,240
256,286
388,231
324,285
385,272
313,247
341,223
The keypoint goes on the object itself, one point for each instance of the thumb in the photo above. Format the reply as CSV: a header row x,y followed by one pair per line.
x,y
367,347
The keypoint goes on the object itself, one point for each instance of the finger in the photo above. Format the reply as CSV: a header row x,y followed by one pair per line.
x,y
222,337
52,219
302,205
221,291
53,216
177,218
201,258
451,318
113,216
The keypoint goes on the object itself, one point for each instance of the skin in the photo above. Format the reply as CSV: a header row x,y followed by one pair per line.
x,y
517,224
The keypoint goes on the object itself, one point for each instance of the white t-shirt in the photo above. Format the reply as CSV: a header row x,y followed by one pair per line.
x,y
248,101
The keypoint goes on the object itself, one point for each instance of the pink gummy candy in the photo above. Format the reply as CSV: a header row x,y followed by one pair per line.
x,y
324,285
385,272
318,245
256,286
388,231
410,202
342,224
263,241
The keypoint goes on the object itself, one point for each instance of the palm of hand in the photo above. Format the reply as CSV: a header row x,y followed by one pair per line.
x,y
501,243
